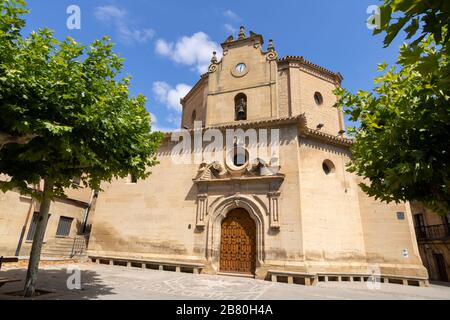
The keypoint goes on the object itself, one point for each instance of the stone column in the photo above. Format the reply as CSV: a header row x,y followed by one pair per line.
x,y
274,211
202,210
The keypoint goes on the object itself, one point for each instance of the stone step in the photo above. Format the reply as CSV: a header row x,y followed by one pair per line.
x,y
63,241
57,251
58,246
66,240
66,247
52,254
66,257
63,251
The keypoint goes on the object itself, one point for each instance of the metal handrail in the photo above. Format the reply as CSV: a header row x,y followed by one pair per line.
x,y
79,245
434,232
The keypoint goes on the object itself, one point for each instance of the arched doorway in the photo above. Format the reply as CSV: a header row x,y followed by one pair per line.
x,y
238,243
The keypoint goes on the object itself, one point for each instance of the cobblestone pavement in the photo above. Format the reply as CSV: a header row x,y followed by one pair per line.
x,y
112,282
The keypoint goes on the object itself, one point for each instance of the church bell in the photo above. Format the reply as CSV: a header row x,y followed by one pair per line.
x,y
241,112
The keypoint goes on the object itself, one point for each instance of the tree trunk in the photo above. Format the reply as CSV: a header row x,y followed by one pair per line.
x,y
35,255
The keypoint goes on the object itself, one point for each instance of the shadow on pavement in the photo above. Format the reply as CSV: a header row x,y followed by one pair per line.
x,y
440,283
55,281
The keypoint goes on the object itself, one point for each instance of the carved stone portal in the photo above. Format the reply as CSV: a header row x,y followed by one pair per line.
x,y
202,210
274,211
257,169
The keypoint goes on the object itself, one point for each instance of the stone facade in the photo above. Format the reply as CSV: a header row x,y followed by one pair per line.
x,y
311,216
16,220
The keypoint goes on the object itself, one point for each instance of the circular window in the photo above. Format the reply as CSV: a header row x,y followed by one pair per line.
x,y
240,67
240,157
237,160
318,98
328,167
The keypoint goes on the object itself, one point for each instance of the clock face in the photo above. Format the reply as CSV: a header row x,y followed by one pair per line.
x,y
241,67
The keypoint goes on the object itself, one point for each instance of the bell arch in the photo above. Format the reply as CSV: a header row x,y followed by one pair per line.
x,y
240,107
219,211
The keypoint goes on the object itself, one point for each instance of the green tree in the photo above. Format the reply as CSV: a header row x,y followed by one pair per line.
x,y
423,17
10,26
419,19
83,120
401,146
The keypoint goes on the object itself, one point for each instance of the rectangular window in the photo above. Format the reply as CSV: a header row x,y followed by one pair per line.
x,y
400,215
76,181
33,225
64,226
419,220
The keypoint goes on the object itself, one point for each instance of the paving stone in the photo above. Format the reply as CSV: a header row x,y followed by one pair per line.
x,y
105,282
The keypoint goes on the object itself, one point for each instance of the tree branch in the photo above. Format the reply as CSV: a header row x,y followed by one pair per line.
x,y
8,139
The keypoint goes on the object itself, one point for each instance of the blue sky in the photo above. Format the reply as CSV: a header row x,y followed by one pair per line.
x,y
167,44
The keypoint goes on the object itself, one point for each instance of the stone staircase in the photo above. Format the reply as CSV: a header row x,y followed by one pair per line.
x,y
67,248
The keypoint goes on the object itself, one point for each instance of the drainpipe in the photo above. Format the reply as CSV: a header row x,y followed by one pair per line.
x,y
94,194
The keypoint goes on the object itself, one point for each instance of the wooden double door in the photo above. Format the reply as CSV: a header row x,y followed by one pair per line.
x,y
238,243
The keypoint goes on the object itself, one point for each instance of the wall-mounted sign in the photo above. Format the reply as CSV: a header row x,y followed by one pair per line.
x,y
405,253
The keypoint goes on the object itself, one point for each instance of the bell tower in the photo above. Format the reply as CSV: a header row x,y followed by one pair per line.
x,y
251,83
242,86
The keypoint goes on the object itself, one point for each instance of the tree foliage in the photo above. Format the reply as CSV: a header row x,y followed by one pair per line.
x,y
401,147
86,123
418,18
65,113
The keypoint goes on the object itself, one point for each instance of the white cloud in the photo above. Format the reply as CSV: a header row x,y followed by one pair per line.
x,y
170,96
157,127
117,17
231,15
154,118
233,18
163,48
195,50
229,28
108,13
174,119
134,35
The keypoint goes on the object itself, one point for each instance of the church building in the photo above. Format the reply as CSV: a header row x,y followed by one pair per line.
x,y
302,218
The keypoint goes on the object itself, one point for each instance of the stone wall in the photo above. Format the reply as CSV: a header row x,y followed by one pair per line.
x,y
152,218
196,102
16,214
326,223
